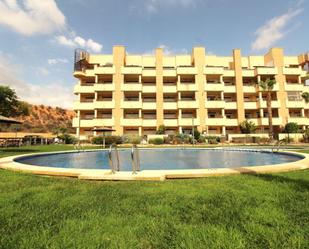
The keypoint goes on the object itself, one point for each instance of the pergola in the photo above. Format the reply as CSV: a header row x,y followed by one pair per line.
x,y
9,121
5,120
103,129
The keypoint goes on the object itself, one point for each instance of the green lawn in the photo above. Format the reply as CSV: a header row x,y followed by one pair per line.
x,y
247,211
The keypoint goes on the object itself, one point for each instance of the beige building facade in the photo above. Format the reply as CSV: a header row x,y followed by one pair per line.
x,y
135,94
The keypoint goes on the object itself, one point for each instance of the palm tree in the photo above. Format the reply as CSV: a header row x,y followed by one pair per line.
x,y
267,86
305,96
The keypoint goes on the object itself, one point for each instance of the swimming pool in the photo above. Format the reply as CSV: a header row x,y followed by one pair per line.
x,y
161,159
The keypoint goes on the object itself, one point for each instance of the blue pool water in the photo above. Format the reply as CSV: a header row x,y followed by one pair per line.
x,y
156,159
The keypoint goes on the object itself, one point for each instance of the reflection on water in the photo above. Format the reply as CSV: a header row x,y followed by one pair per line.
x,y
162,159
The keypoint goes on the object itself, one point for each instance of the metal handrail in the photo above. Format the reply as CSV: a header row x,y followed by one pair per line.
x,y
135,159
277,146
113,167
79,147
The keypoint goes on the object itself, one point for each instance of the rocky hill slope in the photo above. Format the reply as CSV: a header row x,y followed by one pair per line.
x,y
44,119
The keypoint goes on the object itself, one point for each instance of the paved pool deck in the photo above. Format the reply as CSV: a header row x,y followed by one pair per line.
x,y
8,163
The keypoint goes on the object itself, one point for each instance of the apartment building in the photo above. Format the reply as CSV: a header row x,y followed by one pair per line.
x,y
134,94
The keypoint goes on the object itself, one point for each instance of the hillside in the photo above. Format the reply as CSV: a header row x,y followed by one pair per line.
x,y
44,119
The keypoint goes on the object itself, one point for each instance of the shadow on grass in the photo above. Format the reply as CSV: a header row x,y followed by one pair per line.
x,y
16,150
300,184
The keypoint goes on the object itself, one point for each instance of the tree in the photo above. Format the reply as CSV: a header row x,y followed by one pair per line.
x,y
196,134
161,130
291,127
247,127
10,106
305,96
267,86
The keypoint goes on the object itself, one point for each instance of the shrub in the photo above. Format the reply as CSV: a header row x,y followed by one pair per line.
x,y
108,140
161,130
201,139
168,140
67,138
157,140
131,139
306,135
212,139
184,138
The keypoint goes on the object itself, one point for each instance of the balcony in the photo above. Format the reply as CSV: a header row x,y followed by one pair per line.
x,y
84,73
249,89
213,70
104,87
215,121
184,104
131,121
149,105
104,70
215,104
276,121
131,70
274,104
170,122
186,87
214,87
275,88
170,105
93,122
248,73
250,105
186,70
230,104
266,71
149,72
131,87
169,73
83,89
83,105
228,73
231,122
188,121
169,88
299,120
131,104
149,122
295,103
229,88
292,71
149,89
294,87
99,104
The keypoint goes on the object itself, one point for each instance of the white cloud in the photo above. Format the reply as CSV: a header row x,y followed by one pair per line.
x,y
274,30
30,17
55,61
78,41
49,93
42,71
152,6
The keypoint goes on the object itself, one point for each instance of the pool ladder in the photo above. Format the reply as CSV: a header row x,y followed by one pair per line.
x,y
113,159
135,159
276,147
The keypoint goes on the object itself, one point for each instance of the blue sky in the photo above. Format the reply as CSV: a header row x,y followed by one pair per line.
x,y
38,37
